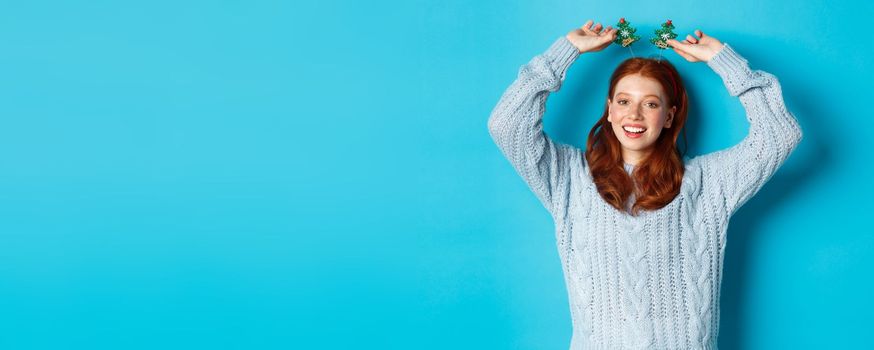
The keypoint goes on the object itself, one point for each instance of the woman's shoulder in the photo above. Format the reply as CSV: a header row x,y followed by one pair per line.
x,y
697,181
575,157
693,167
696,162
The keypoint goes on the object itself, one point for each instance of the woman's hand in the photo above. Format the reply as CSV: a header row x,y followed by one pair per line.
x,y
693,49
588,39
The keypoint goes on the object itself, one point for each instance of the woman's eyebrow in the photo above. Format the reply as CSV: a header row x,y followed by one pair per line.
x,y
624,93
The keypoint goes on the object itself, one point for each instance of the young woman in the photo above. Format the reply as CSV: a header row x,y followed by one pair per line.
x,y
640,230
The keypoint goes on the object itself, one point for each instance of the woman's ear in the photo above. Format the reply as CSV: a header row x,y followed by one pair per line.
x,y
609,112
670,118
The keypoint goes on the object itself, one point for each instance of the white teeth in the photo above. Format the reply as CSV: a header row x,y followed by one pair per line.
x,y
633,129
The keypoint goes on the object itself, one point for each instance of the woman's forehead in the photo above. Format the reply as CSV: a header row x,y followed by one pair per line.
x,y
638,85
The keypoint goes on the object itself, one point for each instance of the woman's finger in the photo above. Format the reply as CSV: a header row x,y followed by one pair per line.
x,y
691,39
597,28
685,50
678,44
586,26
683,47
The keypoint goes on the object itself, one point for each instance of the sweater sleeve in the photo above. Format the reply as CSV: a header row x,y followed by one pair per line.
x,y
739,172
516,125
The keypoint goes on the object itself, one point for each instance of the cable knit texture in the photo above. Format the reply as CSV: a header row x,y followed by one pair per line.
x,y
650,281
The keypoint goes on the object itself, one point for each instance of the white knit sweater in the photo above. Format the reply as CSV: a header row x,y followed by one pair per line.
x,y
650,281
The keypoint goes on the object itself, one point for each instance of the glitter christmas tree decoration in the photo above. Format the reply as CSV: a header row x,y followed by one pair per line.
x,y
663,34
625,34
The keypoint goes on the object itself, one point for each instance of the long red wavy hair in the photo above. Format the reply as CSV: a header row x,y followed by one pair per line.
x,y
659,175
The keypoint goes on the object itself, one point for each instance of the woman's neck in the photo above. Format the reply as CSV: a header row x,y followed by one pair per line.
x,y
633,157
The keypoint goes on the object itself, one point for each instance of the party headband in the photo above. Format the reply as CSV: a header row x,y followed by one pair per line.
x,y
625,35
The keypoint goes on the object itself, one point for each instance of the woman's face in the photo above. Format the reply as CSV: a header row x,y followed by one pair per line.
x,y
637,112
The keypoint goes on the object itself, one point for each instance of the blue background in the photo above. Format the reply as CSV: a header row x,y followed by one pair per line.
x,y
319,175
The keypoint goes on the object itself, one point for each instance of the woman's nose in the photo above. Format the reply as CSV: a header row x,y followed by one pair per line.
x,y
640,109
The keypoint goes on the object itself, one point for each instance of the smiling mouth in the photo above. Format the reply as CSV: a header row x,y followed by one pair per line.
x,y
633,130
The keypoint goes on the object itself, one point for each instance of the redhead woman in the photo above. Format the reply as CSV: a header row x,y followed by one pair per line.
x,y
641,229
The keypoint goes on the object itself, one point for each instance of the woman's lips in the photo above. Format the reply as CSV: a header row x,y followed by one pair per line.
x,y
632,135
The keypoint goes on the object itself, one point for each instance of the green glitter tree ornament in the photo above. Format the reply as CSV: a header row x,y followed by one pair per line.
x,y
663,34
625,34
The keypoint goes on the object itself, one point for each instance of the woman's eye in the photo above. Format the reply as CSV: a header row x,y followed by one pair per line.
x,y
622,102
653,105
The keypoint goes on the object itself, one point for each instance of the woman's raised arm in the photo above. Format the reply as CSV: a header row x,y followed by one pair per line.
x,y
739,172
516,123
